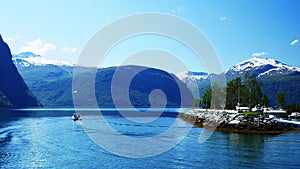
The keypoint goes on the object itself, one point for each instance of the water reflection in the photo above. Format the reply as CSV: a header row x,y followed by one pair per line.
x,y
246,148
245,140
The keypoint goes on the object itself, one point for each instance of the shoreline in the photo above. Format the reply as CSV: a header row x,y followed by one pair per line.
x,y
218,120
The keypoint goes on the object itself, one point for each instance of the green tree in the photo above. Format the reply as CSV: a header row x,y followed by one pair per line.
x,y
265,101
214,97
196,103
206,98
280,99
252,90
233,95
294,107
248,92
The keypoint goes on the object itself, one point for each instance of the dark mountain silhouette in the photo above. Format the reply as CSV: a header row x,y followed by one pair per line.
x,y
14,93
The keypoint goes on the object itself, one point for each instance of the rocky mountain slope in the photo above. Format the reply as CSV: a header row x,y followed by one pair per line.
x,y
14,92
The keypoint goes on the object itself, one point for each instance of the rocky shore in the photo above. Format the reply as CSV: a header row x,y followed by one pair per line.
x,y
232,121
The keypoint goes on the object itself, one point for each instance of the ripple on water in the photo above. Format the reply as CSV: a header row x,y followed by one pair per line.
x,y
5,136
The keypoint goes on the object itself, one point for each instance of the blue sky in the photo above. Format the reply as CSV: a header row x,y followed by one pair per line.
x,y
238,29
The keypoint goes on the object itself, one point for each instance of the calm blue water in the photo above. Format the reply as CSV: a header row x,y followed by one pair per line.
x,y
50,139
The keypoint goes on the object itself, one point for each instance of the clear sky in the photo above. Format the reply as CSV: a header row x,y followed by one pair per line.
x,y
238,29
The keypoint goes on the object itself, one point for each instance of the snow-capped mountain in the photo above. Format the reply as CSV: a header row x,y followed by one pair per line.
x,y
25,55
194,76
193,79
27,59
275,75
261,67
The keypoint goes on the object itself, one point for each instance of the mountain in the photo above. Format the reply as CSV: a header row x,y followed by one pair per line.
x,y
38,71
140,88
49,80
14,93
261,67
52,81
29,59
194,76
194,79
275,75
59,93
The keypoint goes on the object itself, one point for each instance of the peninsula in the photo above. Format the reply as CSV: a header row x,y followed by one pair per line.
x,y
232,121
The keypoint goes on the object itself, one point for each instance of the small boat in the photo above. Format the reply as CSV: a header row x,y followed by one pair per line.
x,y
76,117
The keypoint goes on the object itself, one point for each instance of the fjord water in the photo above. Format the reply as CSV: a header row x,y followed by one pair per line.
x,y
50,139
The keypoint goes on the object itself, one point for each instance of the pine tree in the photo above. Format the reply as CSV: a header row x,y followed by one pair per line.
x,y
265,101
280,99
252,90
233,95
206,98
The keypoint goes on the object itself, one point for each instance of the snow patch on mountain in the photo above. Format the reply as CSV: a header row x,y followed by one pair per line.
x,y
24,55
27,59
40,61
192,75
263,66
